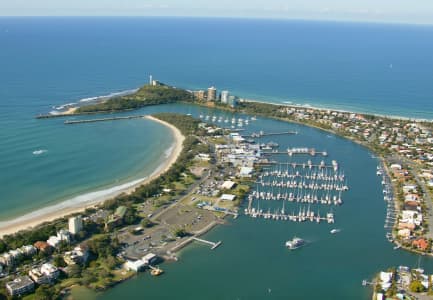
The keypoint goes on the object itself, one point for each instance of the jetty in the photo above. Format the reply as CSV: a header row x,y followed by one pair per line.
x,y
311,152
365,282
233,129
212,244
262,134
71,122
294,165
50,116
302,216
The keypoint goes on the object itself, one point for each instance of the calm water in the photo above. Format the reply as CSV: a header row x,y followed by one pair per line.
x,y
253,260
364,67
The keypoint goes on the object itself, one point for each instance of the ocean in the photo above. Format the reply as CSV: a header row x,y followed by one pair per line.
x,y
46,62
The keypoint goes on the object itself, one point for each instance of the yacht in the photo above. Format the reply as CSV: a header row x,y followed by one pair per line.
x,y
295,243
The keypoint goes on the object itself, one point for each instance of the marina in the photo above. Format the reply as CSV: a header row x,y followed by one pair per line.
x,y
235,123
296,191
388,196
299,187
298,151
302,216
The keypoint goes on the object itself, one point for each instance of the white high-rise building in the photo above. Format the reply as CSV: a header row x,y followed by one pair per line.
x,y
225,97
75,224
211,94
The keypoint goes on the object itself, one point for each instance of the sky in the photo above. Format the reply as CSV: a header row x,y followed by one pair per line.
x,y
400,11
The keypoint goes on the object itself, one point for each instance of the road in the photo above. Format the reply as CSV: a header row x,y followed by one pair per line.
x,y
191,188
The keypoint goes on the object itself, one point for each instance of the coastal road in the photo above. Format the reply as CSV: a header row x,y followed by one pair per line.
x,y
191,188
176,202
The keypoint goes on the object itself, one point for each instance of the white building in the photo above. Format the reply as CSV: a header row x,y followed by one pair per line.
x,y
228,185
211,94
135,266
79,255
75,224
385,280
6,259
150,258
45,274
62,235
225,97
20,286
246,172
28,250
227,197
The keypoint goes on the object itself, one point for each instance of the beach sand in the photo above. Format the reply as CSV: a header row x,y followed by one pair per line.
x,y
70,111
79,204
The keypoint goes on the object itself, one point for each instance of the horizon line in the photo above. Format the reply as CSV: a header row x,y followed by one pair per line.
x,y
228,17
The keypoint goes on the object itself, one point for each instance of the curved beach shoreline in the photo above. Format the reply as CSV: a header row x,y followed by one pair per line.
x,y
80,203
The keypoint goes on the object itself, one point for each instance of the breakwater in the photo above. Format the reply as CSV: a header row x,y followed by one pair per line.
x,y
71,122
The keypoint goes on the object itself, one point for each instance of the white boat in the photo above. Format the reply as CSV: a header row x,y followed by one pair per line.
x,y
295,243
334,231
39,152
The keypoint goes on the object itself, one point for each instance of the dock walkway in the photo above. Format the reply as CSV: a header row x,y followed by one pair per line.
x,y
262,134
312,152
212,244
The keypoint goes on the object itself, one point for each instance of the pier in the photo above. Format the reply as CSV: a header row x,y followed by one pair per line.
x,y
262,134
298,165
311,152
50,116
365,282
233,129
302,216
71,122
212,244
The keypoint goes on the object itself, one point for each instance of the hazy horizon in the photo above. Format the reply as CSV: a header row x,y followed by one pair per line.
x,y
376,11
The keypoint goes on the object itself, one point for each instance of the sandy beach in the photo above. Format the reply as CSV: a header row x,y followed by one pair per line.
x,y
80,203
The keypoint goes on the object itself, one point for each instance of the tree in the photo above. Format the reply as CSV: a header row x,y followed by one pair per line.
x,y
74,271
180,232
103,246
87,277
44,292
111,262
58,261
416,286
3,246
146,223
130,216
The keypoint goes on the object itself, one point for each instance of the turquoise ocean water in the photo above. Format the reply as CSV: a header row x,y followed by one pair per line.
x,y
384,69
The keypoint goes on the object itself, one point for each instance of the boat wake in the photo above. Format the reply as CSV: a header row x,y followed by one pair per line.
x,y
39,152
